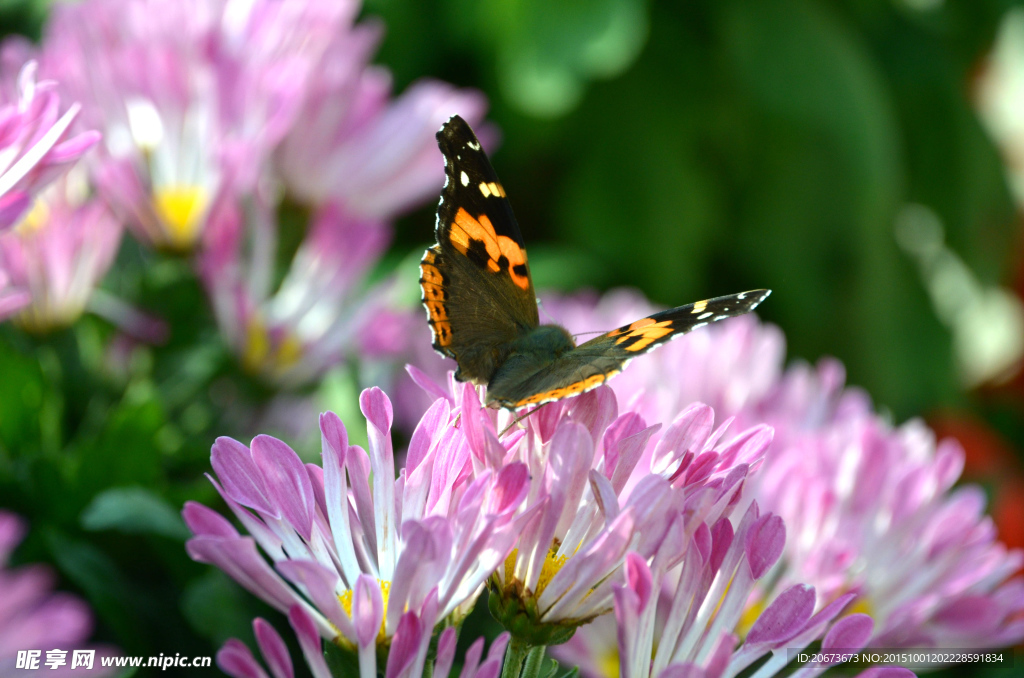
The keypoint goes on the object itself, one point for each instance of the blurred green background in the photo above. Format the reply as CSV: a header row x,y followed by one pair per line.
x,y
698,148
689,149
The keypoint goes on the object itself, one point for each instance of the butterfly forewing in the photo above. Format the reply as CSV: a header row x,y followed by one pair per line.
x,y
476,281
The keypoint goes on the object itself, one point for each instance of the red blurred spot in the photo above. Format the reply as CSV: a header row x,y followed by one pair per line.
x,y
1008,513
986,453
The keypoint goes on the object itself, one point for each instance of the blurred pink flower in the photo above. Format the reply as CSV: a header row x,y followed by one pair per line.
x,y
34,618
354,145
870,508
196,96
11,299
371,566
58,253
36,143
321,311
192,96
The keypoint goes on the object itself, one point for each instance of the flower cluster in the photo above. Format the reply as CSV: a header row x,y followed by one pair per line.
x,y
34,618
370,565
870,509
600,489
56,241
253,137
263,118
575,514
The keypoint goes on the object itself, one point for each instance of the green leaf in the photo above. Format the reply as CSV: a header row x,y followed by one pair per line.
x,y
108,589
134,510
217,608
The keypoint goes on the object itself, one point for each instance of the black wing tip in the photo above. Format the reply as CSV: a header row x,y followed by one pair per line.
x,y
759,297
454,130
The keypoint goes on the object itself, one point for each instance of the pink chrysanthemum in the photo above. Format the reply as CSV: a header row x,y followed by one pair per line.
x,y
36,143
192,96
871,509
591,499
59,253
372,565
715,573
290,335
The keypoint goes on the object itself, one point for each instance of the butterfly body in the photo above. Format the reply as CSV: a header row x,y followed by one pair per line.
x,y
481,305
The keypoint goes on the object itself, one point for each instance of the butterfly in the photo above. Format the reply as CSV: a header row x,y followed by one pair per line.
x,y
482,310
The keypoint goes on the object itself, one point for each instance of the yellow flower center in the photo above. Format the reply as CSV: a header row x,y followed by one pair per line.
x,y
180,209
608,663
861,605
552,564
261,355
37,217
749,616
385,590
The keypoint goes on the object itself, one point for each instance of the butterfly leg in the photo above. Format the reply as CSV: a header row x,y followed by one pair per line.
x,y
520,418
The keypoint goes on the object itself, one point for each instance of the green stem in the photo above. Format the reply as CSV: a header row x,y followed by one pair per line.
x,y
515,657
534,662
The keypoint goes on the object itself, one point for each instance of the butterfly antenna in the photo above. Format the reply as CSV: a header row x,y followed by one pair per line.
x,y
580,334
544,312
519,419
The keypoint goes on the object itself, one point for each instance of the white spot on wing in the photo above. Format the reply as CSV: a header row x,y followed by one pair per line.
x,y
702,316
475,146
465,179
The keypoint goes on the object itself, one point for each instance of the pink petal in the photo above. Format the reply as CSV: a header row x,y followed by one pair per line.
x,y
333,434
638,578
785,617
445,652
309,641
376,407
367,609
687,433
235,659
764,543
207,522
425,433
240,476
273,649
287,482
320,583
849,633
426,383
404,646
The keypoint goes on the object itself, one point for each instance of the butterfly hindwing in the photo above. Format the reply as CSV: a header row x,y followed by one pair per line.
x,y
592,363
475,281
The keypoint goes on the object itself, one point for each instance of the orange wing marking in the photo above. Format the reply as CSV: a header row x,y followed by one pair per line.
x,y
564,392
645,332
466,229
432,285
643,322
